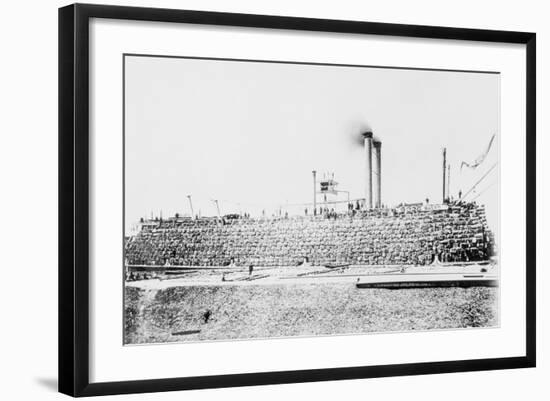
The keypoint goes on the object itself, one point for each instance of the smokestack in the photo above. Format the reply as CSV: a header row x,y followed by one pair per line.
x,y
377,172
368,169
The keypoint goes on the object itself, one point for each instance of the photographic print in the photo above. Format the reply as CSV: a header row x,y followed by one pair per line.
x,y
269,199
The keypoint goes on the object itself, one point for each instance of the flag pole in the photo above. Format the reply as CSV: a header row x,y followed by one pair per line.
x,y
444,171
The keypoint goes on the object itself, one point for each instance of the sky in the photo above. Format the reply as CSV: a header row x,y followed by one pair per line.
x,y
249,134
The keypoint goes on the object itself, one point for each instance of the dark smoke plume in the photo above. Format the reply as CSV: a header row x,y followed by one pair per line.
x,y
355,133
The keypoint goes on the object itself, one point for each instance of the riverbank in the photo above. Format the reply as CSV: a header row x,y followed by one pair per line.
x,y
179,313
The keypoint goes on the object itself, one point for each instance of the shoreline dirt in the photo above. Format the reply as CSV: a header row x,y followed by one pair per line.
x,y
173,310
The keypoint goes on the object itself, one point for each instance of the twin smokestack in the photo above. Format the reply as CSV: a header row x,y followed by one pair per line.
x,y
373,171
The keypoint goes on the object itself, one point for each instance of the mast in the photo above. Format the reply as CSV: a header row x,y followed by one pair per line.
x,y
449,181
444,171
314,192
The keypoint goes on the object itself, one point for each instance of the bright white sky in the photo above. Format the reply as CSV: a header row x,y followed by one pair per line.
x,y
249,133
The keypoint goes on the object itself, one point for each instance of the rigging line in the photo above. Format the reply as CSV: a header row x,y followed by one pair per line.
x,y
258,204
481,193
284,205
478,181
327,202
242,203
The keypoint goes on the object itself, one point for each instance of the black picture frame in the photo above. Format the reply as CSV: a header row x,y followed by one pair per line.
x,y
74,194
